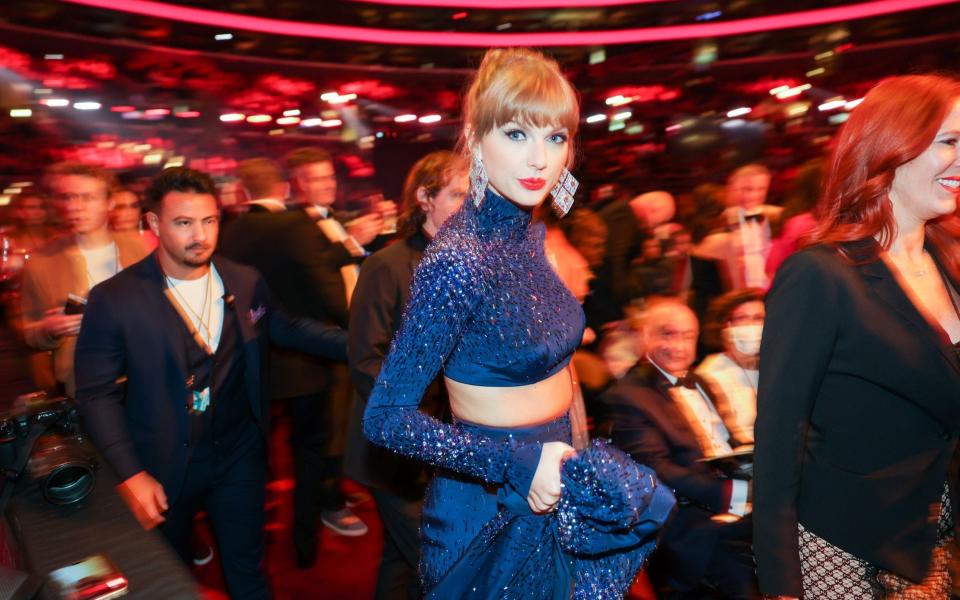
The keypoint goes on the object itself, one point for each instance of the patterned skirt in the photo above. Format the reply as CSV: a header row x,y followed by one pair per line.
x,y
830,573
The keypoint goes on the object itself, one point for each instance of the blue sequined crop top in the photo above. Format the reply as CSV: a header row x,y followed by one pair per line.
x,y
487,308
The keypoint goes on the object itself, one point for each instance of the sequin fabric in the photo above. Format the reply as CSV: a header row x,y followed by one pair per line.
x,y
485,306
591,548
830,573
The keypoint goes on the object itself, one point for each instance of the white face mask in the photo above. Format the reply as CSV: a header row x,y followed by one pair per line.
x,y
745,338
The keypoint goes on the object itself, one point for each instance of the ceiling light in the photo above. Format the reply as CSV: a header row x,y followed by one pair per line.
x,y
223,37
311,122
342,99
292,113
21,113
852,104
596,118
331,123
232,117
53,56
779,89
288,120
832,104
618,100
87,105
327,96
287,27
794,91
259,119
55,102
430,119
405,118
621,116
739,112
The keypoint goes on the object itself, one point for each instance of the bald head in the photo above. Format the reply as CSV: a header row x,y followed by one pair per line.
x,y
669,329
654,208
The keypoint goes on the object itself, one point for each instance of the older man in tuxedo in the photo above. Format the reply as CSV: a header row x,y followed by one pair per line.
x,y
663,416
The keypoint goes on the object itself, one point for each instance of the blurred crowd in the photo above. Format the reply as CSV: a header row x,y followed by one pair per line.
x,y
652,271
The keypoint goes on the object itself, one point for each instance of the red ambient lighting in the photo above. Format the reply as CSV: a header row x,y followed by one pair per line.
x,y
511,4
224,20
187,114
156,112
122,109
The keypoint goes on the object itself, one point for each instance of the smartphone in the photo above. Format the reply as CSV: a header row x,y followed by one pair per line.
x,y
93,578
75,305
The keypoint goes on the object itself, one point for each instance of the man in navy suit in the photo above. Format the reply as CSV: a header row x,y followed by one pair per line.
x,y
171,379
663,416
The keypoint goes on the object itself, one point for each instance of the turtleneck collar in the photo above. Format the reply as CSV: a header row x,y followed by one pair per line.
x,y
497,212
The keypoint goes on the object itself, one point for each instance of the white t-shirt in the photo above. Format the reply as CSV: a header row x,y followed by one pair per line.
x,y
102,263
192,292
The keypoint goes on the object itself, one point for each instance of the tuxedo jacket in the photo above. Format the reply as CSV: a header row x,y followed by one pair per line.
x,y
858,413
301,266
132,365
642,419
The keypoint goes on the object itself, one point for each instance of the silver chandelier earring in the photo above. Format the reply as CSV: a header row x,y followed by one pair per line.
x,y
478,180
563,192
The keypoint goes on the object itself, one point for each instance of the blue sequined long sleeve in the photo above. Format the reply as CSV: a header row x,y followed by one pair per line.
x,y
486,307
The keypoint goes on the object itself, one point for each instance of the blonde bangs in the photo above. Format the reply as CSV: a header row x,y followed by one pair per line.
x,y
523,87
541,99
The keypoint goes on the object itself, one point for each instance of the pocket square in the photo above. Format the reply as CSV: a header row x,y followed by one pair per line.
x,y
257,313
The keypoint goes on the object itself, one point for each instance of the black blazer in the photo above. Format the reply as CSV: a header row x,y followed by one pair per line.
x,y
302,268
858,414
131,365
381,295
641,418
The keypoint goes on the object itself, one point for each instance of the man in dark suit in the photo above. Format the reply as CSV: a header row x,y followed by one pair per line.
x,y
433,191
171,381
664,418
629,223
302,266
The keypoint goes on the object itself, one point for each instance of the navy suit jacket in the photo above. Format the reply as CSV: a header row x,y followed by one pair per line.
x,y
131,364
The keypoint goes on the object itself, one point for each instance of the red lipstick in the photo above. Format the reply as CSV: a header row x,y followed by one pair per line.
x,y
533,183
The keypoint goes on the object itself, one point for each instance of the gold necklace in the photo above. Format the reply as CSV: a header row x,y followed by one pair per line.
x,y
206,307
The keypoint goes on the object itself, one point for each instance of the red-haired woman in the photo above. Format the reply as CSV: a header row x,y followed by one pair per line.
x,y
859,399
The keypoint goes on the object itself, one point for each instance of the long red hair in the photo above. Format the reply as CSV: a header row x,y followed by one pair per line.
x,y
897,120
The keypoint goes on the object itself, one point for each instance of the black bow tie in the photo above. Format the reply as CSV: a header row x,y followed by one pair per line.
x,y
686,381
758,217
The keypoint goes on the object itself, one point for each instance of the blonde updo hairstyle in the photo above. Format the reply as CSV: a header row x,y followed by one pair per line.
x,y
522,86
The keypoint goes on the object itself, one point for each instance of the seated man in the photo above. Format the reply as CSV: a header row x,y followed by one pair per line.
x,y
665,418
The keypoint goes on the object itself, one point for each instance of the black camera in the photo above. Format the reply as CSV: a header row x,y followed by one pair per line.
x,y
42,436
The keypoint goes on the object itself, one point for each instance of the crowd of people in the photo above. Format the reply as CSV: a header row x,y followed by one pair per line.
x,y
778,379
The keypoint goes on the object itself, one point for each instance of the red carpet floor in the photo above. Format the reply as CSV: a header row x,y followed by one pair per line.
x,y
346,568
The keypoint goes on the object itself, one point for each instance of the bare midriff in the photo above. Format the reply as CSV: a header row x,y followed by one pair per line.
x,y
519,406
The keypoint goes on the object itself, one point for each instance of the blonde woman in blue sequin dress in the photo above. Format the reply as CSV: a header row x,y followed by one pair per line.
x,y
488,309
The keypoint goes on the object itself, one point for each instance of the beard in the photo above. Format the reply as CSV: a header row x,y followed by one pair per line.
x,y
197,256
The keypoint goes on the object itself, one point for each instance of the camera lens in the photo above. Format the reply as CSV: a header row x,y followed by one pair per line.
x,y
63,466
68,483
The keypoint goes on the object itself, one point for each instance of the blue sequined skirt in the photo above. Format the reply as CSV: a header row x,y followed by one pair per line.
x,y
456,507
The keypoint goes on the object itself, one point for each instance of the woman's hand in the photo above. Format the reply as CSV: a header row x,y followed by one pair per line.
x,y
545,487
